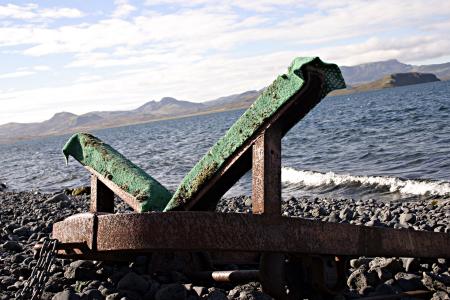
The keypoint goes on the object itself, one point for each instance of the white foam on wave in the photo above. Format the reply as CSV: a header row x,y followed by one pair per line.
x,y
394,184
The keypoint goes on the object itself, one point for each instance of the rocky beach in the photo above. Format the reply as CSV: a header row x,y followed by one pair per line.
x,y
27,217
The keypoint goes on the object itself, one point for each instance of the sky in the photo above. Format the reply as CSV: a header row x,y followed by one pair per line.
x,y
80,56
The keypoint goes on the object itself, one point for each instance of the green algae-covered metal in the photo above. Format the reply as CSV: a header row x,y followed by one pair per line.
x,y
281,91
92,152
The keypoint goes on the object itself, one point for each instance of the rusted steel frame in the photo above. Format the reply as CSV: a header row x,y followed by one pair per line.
x,y
208,231
266,173
240,163
235,276
102,198
128,198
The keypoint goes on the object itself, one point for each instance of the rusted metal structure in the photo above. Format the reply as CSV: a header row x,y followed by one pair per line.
x,y
298,257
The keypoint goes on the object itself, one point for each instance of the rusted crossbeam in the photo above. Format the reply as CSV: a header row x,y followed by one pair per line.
x,y
147,232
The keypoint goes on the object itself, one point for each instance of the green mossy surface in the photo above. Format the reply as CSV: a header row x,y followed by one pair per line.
x,y
283,89
91,151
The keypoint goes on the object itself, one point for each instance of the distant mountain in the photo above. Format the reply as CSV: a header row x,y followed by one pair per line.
x,y
375,70
359,78
235,101
390,81
169,106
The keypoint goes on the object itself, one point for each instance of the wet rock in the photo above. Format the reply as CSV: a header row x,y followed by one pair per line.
x,y
133,282
173,291
3,187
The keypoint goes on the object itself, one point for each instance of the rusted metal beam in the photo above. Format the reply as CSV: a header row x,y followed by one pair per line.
x,y
208,231
109,185
102,198
266,173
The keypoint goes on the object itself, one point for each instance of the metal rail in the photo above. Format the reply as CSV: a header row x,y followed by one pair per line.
x,y
208,231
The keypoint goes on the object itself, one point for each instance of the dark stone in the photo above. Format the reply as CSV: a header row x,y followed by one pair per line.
x,y
80,273
57,198
410,264
346,214
216,295
12,246
408,282
93,294
173,291
133,282
22,231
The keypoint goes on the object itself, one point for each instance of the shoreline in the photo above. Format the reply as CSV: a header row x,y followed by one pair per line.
x,y
27,217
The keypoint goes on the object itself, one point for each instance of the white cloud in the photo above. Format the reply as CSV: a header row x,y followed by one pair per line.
x,y
32,11
123,9
199,50
16,74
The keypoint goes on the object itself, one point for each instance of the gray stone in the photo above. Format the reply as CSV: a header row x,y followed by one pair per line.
x,y
357,262
114,296
57,198
407,218
440,295
173,291
200,290
133,282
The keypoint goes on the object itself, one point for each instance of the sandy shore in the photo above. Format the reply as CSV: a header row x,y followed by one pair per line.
x,y
27,217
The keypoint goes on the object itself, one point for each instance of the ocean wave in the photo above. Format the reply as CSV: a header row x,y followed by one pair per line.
x,y
393,184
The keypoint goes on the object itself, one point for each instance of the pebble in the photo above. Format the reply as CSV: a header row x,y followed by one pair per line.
x,y
22,228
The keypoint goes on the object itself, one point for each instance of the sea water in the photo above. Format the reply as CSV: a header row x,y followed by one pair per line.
x,y
392,144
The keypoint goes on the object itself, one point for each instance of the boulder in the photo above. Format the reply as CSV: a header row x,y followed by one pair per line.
x,y
133,282
173,291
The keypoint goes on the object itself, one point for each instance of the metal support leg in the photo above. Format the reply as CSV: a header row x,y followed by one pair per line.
x,y
102,198
266,173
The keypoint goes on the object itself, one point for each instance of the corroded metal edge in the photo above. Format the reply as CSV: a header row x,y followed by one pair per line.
x,y
208,231
132,201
